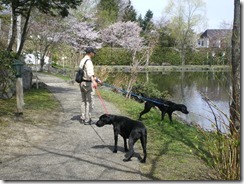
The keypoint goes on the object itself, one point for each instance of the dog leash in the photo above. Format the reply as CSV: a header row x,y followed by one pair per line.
x,y
135,95
101,100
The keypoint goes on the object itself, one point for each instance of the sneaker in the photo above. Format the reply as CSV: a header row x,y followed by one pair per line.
x,y
82,121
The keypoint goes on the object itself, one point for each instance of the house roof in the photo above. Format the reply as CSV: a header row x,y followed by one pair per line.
x,y
216,33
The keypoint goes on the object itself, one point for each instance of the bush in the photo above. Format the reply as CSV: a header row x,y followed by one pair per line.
x,y
113,56
148,90
6,73
162,55
196,58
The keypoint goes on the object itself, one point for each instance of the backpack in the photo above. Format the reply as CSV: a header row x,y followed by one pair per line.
x,y
80,73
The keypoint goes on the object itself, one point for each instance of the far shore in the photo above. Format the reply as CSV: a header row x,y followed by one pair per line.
x,y
126,68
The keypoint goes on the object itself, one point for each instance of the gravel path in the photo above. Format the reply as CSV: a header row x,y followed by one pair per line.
x,y
70,150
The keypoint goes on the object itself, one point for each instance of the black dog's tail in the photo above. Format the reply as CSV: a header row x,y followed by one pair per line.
x,y
144,136
144,144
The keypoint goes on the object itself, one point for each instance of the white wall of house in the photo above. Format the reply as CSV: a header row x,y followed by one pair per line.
x,y
203,43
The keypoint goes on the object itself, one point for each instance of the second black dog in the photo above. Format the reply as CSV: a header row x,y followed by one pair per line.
x,y
164,106
128,129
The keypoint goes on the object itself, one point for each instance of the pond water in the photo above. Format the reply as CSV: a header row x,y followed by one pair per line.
x,y
192,89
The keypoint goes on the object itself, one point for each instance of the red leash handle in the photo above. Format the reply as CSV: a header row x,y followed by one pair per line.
x,y
101,100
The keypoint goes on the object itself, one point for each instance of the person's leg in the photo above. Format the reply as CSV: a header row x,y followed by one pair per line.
x,y
90,104
83,107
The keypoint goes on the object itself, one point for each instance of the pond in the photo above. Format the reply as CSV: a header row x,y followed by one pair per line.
x,y
192,89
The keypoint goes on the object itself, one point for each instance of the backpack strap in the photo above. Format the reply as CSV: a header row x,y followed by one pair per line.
x,y
84,64
83,70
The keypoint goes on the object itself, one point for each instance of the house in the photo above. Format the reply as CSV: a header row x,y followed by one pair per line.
x,y
215,38
35,60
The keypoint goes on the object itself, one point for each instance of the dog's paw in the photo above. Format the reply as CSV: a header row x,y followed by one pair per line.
x,y
126,160
114,151
143,161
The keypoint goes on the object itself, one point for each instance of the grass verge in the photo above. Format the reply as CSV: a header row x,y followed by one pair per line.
x,y
174,149
38,103
18,134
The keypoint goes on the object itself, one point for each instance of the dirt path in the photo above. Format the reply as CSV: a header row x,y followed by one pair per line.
x,y
70,150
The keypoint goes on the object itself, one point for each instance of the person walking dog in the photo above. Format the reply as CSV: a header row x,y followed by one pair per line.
x,y
88,86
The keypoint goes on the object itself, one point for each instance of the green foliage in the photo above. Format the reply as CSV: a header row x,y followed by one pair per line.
x,y
160,56
224,154
140,20
6,71
165,55
196,57
147,22
113,56
165,38
149,90
129,13
107,12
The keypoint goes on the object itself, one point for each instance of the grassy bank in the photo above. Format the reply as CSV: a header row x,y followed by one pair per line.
x,y
174,150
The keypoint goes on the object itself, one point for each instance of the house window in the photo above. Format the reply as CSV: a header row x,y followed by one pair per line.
x,y
200,43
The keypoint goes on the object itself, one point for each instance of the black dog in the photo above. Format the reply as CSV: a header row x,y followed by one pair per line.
x,y
128,129
164,106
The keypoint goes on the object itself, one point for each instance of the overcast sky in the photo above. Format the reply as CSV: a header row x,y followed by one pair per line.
x,y
217,11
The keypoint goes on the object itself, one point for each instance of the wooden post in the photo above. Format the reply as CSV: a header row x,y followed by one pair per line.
x,y
19,96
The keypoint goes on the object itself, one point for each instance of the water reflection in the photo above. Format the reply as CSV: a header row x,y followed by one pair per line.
x,y
191,89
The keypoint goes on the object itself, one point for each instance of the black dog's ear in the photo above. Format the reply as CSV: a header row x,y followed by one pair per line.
x,y
106,118
109,118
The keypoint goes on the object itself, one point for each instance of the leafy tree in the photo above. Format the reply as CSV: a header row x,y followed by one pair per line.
x,y
140,21
129,13
165,39
107,12
147,24
25,8
185,16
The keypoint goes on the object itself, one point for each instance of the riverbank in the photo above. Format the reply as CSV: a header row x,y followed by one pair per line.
x,y
174,149
194,68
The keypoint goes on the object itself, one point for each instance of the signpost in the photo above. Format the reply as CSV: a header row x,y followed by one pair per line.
x,y
18,68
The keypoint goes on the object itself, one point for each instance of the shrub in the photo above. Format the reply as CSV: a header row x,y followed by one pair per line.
x,y
162,55
6,73
113,56
148,90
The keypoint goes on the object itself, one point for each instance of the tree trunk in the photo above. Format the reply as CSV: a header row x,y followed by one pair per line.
x,y
18,32
13,30
182,55
235,112
23,36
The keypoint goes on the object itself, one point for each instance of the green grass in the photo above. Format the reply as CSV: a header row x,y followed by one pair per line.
x,y
174,149
39,99
64,77
38,103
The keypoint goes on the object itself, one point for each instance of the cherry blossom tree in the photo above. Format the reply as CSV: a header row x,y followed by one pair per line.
x,y
126,35
44,34
81,34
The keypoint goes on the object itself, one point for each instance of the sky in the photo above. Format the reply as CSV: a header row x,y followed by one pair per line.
x,y
217,11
